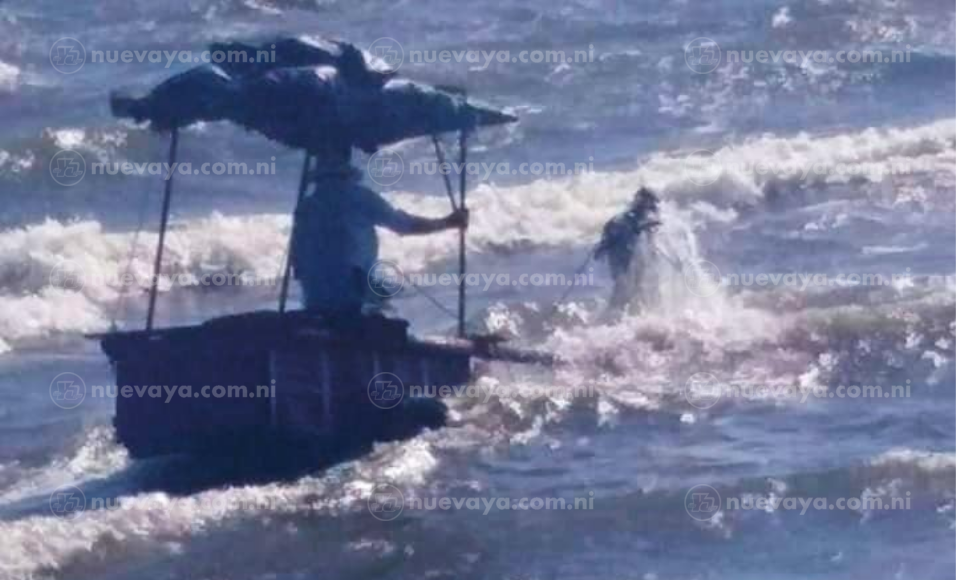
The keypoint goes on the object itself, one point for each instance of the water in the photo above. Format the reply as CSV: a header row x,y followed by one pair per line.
x,y
826,169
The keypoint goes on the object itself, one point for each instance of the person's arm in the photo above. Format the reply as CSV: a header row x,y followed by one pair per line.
x,y
405,224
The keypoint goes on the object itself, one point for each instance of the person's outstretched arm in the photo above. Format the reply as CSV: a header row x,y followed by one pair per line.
x,y
405,224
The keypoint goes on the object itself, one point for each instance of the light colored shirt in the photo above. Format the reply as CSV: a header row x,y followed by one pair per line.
x,y
335,242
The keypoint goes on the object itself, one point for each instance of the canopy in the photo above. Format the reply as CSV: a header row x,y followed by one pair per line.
x,y
357,66
308,107
203,93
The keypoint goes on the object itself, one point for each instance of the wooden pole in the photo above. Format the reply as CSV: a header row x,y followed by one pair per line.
x,y
164,221
463,150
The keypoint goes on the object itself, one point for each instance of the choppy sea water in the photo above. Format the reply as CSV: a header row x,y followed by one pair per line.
x,y
835,171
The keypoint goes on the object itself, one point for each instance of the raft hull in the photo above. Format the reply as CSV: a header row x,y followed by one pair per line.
x,y
272,386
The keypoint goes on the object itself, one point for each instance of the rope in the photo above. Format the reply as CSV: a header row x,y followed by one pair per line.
x,y
555,305
676,264
119,308
287,257
434,301
591,255
440,155
281,270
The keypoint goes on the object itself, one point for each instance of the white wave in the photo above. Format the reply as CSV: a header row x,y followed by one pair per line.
x,y
894,473
16,165
9,77
698,189
67,277
744,174
97,456
917,462
781,18
157,521
149,521
556,212
760,351
884,250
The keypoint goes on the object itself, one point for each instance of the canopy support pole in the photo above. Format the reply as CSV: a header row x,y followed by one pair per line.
x,y
463,151
440,155
164,222
287,268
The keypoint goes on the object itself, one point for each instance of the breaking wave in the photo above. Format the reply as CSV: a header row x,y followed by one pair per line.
x,y
131,523
699,193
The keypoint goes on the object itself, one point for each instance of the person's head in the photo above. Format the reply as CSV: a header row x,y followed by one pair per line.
x,y
332,151
332,161
646,200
